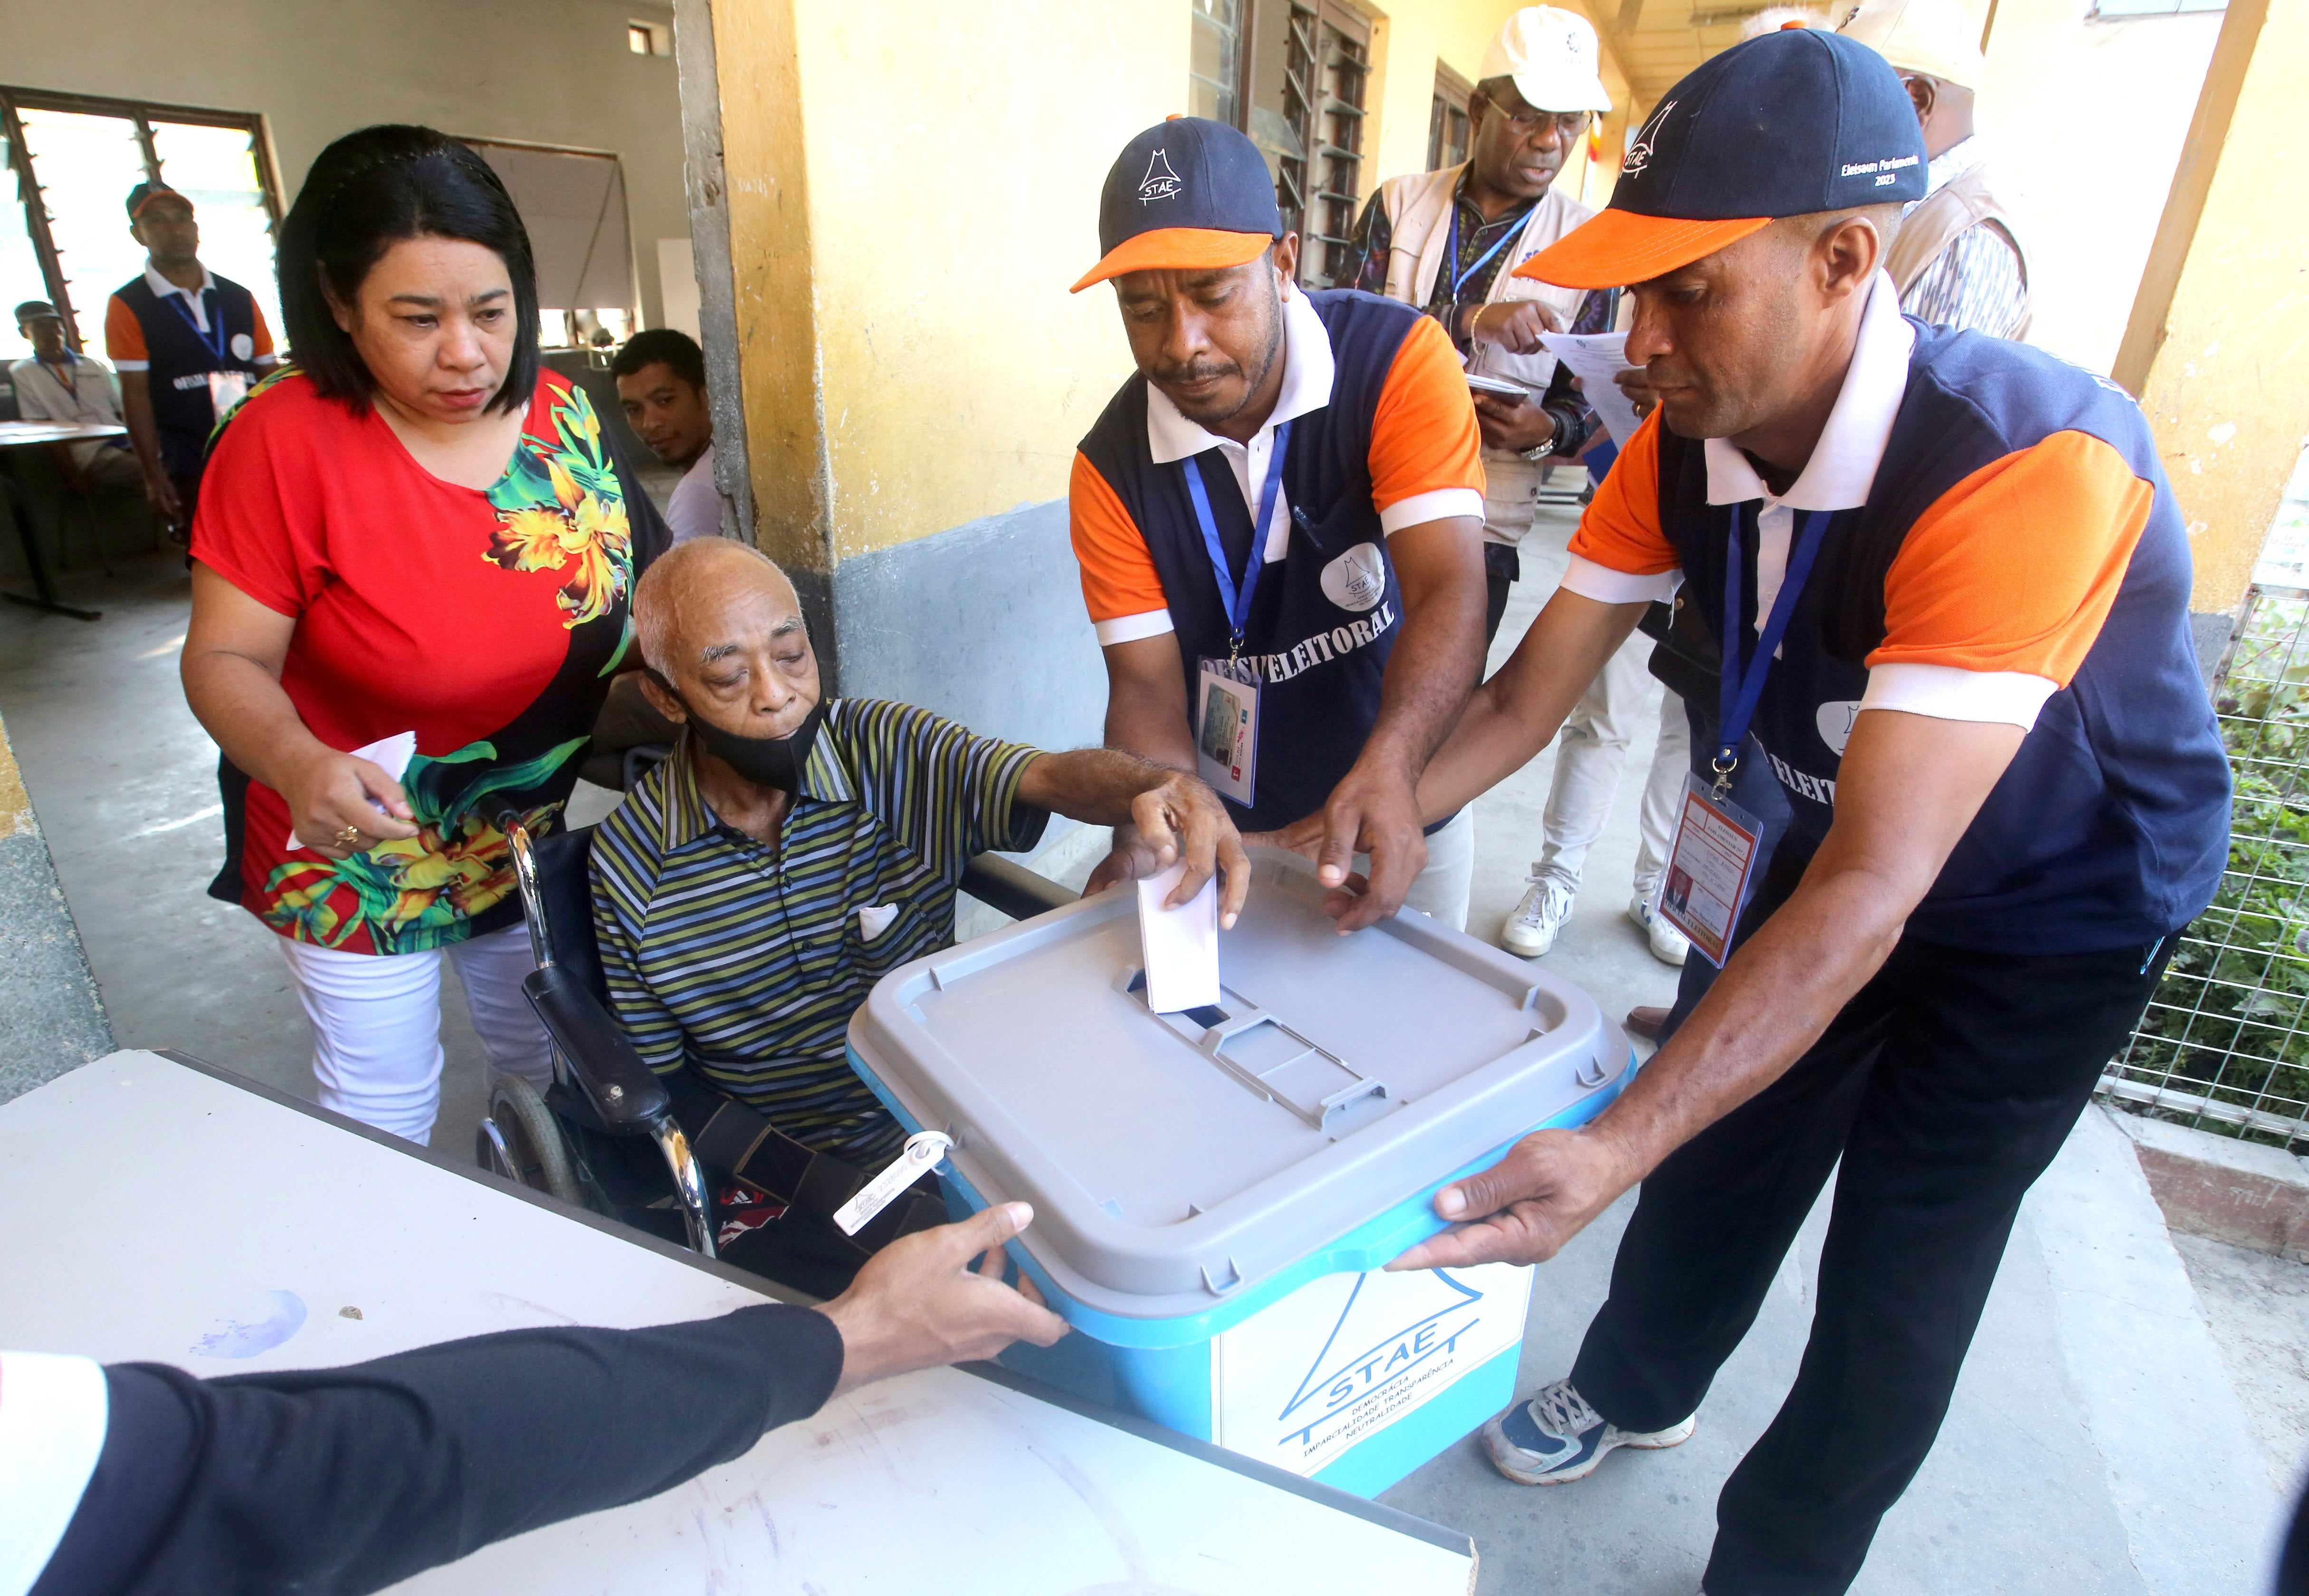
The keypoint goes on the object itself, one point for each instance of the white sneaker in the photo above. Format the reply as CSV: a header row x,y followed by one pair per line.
x,y
1556,1437
1669,945
1532,929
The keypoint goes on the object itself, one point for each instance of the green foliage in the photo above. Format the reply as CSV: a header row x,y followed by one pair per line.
x,y
2230,1021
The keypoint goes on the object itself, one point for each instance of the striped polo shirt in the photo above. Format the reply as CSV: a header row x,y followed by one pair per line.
x,y
746,961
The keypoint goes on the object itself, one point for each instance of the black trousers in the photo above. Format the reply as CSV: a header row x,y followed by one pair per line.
x,y
1945,1086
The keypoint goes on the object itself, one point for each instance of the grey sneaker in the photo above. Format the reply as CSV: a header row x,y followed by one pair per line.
x,y
1531,930
1556,1437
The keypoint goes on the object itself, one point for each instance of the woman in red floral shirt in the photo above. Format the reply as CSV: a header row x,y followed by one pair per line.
x,y
412,559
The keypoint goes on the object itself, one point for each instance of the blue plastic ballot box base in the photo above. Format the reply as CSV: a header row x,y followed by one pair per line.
x,y
1405,1398
1164,1386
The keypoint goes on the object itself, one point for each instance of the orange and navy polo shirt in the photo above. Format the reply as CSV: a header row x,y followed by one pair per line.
x,y
1382,438
2003,547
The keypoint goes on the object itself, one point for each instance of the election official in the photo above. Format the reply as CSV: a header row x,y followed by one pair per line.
x,y
1279,520
1950,587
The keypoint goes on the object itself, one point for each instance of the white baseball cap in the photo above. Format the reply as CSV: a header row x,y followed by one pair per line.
x,y
1935,39
1551,54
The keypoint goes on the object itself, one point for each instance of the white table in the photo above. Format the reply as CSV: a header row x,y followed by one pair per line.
x,y
156,1206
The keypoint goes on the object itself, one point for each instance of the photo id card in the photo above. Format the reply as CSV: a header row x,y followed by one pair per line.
x,y
1226,731
226,390
1707,868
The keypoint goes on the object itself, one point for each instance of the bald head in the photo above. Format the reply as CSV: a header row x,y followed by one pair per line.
x,y
692,597
720,621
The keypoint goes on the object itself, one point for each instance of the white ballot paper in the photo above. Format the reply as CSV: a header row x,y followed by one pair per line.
x,y
1595,358
1182,944
390,753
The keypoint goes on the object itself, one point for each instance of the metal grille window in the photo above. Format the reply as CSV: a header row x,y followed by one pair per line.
x,y
74,159
1447,128
1328,73
2225,1043
1294,76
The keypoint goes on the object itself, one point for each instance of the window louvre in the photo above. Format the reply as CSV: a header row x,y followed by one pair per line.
x,y
76,157
1301,71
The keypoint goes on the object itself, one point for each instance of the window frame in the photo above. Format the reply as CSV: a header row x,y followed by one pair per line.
x,y
1321,37
1453,95
141,114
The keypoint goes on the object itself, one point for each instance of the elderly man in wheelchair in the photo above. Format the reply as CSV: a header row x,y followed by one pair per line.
x,y
744,899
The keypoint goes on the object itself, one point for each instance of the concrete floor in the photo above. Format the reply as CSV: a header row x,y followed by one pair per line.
x,y
2093,1370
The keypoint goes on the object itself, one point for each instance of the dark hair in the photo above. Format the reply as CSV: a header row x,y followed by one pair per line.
x,y
368,191
673,347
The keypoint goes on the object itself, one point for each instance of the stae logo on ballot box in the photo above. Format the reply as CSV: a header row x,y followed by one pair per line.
x,y
1341,1358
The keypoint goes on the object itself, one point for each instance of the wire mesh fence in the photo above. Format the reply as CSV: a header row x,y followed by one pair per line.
x,y
2225,1043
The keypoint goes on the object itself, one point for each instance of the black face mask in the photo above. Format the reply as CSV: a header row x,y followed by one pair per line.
x,y
776,761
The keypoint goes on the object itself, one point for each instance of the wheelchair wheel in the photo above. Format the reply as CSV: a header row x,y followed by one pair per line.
x,y
521,1140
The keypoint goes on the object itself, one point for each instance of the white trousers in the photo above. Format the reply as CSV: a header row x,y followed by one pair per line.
x,y
1590,756
377,1025
1442,890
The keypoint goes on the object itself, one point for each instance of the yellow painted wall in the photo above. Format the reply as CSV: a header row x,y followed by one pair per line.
x,y
912,188
765,161
955,157
2227,387
2088,121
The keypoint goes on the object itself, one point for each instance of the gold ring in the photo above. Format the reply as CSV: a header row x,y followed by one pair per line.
x,y
349,836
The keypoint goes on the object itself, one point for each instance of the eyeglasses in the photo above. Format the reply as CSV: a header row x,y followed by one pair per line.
x,y
1527,125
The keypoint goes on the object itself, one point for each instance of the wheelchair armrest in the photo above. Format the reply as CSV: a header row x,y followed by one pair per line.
x,y
1011,888
603,1063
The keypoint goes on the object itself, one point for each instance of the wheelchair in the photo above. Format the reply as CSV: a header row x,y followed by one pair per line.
x,y
606,1136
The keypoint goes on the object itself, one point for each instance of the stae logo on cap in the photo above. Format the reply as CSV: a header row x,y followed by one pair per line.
x,y
1161,183
1639,152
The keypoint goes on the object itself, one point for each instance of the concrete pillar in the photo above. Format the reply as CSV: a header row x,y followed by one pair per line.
x,y
2217,346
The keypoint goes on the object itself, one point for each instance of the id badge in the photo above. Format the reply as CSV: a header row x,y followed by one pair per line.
x,y
1708,864
1226,732
226,390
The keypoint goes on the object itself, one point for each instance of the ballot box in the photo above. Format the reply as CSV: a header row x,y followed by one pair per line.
x,y
1216,1190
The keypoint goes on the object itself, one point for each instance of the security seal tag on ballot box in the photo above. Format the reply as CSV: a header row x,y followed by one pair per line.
x,y
924,1150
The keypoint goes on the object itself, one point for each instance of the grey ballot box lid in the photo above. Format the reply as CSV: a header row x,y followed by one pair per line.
x,y
1175,1160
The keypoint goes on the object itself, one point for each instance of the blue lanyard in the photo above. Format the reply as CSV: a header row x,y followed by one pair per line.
x,y
214,339
1738,691
1238,601
1452,250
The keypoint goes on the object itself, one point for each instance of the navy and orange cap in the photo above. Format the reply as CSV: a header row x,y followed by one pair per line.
x,y
1186,195
144,193
1790,124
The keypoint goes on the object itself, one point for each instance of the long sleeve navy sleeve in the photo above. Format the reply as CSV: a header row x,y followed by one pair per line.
x,y
329,1482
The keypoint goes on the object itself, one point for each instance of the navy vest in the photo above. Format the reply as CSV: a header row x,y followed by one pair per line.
x,y
2110,828
1325,617
181,359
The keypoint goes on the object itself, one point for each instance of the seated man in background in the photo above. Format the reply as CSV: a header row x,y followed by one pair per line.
x,y
661,376
750,890
56,384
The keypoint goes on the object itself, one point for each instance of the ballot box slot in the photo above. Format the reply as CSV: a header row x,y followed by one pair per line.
x,y
1274,1061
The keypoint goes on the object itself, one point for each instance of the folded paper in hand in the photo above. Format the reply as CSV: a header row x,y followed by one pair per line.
x,y
391,755
1595,358
1182,944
